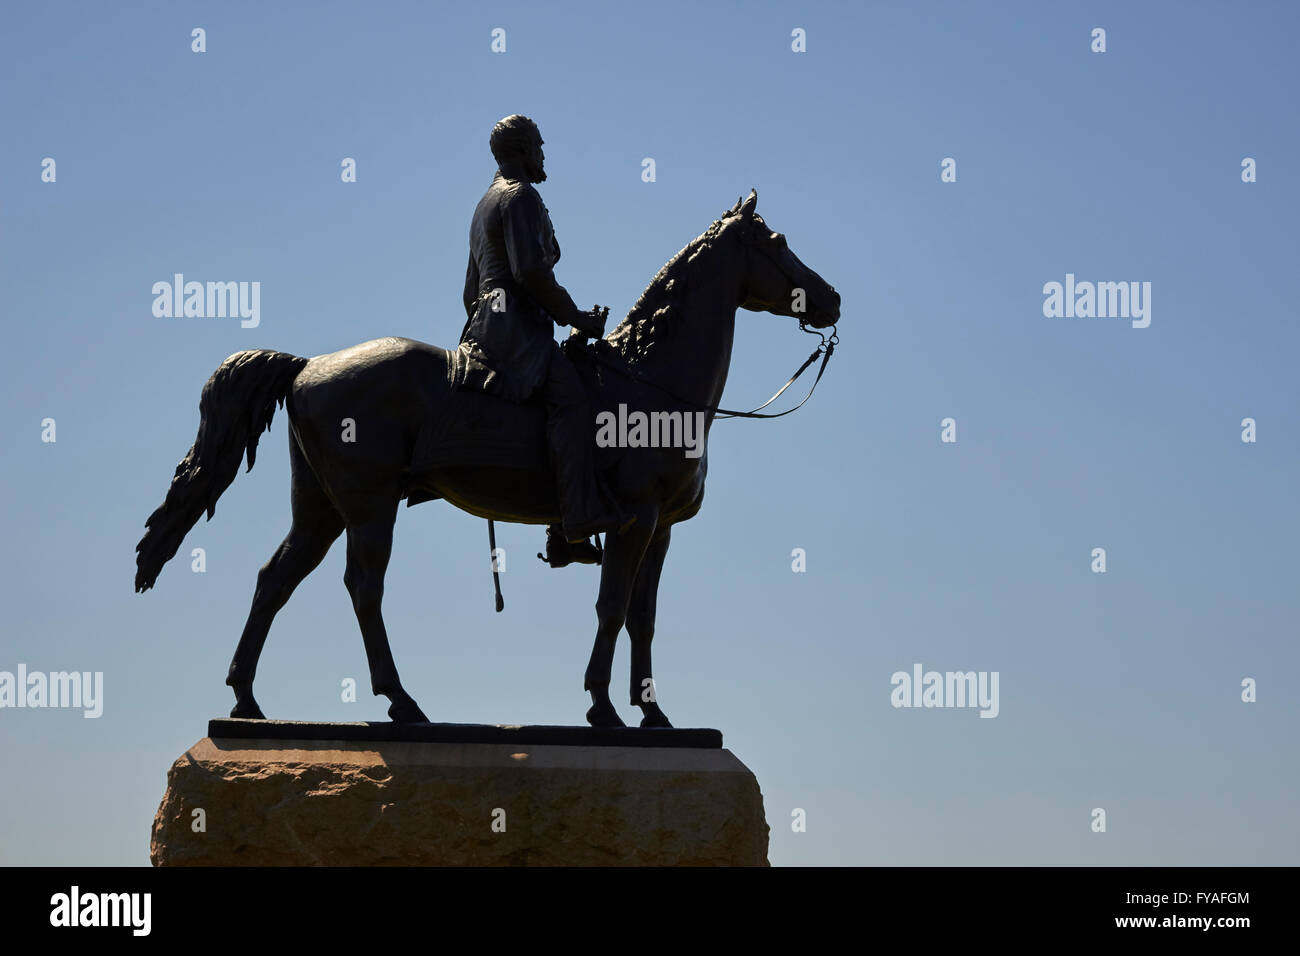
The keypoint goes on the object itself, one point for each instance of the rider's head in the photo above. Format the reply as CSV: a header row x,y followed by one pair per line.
x,y
517,146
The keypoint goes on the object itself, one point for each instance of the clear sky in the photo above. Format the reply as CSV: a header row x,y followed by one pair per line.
x,y
1119,691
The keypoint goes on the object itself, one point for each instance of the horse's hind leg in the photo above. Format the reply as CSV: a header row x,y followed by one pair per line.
x,y
370,542
316,525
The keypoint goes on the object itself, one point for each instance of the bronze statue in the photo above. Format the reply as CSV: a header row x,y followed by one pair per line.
x,y
379,422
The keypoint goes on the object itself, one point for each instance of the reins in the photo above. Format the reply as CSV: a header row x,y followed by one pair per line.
x,y
825,348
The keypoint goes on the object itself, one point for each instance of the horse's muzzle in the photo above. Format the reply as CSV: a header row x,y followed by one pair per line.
x,y
826,313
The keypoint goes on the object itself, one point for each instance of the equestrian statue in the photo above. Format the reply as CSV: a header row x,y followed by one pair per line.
x,y
502,427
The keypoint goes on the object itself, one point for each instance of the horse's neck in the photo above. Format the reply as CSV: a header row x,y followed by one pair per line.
x,y
695,360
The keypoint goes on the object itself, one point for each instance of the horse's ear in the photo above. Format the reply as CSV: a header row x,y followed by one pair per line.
x,y
733,210
747,210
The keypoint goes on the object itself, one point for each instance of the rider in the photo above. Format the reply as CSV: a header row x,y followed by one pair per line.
x,y
508,347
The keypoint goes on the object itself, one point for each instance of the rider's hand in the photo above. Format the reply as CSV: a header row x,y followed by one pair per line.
x,y
592,322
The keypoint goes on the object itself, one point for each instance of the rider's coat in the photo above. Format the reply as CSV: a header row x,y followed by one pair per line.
x,y
511,296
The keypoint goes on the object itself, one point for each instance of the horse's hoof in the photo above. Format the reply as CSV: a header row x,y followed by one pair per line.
x,y
406,712
655,720
248,711
604,715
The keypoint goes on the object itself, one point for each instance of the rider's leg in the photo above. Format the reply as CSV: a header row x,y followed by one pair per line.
x,y
570,432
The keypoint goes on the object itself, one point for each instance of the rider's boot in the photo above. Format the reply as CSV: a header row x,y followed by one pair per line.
x,y
560,552
569,432
570,436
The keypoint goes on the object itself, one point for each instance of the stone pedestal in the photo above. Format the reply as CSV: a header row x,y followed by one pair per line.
x,y
412,802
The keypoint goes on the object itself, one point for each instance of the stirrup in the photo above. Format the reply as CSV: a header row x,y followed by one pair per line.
x,y
561,553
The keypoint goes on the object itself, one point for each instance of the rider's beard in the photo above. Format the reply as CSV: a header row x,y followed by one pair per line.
x,y
536,173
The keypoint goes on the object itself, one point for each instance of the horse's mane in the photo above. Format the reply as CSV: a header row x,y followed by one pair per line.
x,y
658,313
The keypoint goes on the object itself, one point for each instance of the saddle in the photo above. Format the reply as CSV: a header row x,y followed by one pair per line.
x,y
479,429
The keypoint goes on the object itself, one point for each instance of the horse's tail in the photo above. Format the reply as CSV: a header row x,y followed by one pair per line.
x,y
237,404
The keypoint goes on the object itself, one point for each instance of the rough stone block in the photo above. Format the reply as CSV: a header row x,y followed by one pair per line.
x,y
377,803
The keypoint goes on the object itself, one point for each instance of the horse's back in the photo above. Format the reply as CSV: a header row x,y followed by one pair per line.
x,y
378,357
385,407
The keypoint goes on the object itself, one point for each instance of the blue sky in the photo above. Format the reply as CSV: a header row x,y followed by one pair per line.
x,y
1118,690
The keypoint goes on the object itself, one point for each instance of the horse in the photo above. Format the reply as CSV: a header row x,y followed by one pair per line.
x,y
379,422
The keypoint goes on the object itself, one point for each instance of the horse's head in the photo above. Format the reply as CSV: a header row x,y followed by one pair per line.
x,y
774,279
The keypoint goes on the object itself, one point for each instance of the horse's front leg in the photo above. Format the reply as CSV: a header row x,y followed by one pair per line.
x,y
641,629
618,571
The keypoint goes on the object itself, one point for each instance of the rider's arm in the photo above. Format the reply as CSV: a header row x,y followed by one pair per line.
x,y
523,228
470,295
